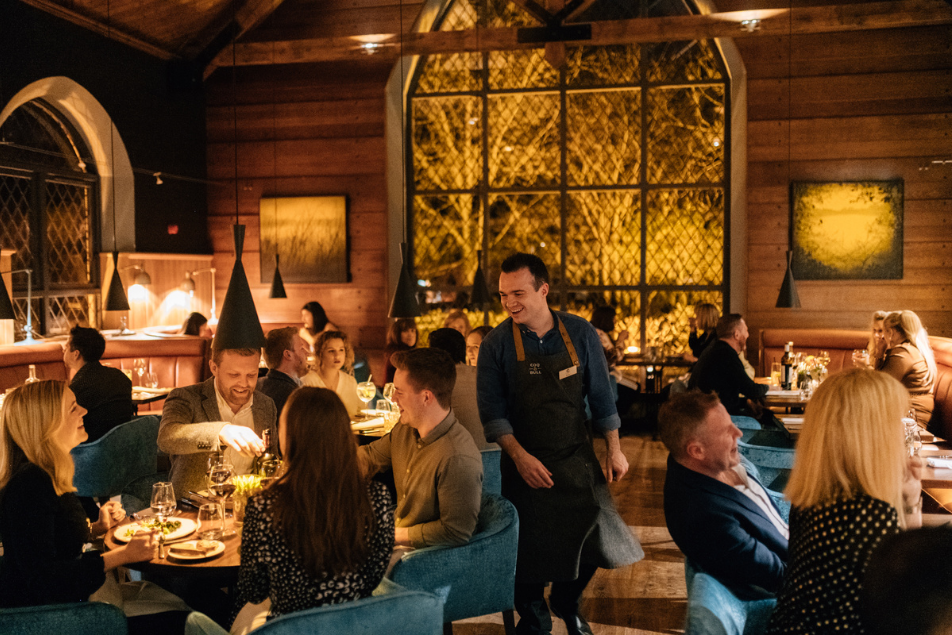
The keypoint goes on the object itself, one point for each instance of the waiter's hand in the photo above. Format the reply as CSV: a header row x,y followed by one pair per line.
x,y
533,472
616,465
241,439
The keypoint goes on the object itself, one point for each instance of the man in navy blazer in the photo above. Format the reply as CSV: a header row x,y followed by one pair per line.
x,y
720,516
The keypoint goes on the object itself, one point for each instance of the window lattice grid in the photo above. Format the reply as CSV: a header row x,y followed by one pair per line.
x,y
603,238
685,237
447,142
524,146
521,69
66,311
627,306
617,64
676,62
525,222
15,193
667,313
447,233
686,134
604,137
19,311
451,73
68,233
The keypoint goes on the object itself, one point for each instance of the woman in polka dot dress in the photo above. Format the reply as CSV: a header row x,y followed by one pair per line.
x,y
852,485
321,534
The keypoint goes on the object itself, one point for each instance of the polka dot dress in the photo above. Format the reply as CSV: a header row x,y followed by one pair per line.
x,y
270,569
829,551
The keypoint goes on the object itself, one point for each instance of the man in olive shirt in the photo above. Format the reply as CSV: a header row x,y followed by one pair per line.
x,y
437,469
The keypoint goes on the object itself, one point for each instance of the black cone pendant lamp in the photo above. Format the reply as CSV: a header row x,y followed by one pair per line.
x,y
116,299
404,304
480,296
238,326
788,298
277,283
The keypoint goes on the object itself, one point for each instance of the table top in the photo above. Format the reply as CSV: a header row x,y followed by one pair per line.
x,y
931,477
226,565
148,395
785,400
637,360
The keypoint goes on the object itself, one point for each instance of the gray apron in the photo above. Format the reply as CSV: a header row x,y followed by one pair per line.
x,y
575,520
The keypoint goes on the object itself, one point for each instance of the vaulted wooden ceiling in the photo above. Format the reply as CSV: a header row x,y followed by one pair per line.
x,y
295,31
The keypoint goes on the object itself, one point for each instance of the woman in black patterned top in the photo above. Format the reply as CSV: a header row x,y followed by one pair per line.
x,y
321,534
852,485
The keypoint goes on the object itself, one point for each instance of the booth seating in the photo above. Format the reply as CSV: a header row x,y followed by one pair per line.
x,y
841,344
78,618
176,361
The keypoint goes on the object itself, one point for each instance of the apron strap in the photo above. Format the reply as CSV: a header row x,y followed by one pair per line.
x,y
521,350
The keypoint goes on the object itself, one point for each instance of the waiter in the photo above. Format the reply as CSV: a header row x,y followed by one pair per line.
x,y
534,373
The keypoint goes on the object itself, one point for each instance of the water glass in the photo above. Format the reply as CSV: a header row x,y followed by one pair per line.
x,y
913,439
211,519
861,358
151,380
163,500
775,374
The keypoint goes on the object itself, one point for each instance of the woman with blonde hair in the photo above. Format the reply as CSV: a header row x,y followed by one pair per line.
x,y
457,319
852,484
876,348
909,359
335,359
705,318
42,522
322,533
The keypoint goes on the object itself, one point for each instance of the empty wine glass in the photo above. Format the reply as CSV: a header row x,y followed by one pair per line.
x,y
388,391
140,366
163,500
151,380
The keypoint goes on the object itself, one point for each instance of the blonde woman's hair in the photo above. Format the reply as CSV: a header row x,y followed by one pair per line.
x,y
878,316
326,336
32,416
707,316
910,327
852,442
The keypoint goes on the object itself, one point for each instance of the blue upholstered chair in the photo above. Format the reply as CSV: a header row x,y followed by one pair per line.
x,y
391,610
80,618
746,423
773,464
714,610
492,477
122,461
782,504
472,579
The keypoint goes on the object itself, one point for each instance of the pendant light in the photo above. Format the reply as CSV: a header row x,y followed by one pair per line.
x,y
277,283
116,299
404,303
238,326
480,296
789,298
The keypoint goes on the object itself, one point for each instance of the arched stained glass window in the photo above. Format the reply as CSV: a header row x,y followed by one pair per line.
x,y
48,191
612,168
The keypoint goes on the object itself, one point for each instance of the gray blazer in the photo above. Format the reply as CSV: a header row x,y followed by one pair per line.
x,y
190,426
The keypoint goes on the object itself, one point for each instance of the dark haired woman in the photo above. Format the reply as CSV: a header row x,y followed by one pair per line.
x,y
401,336
196,324
322,533
315,322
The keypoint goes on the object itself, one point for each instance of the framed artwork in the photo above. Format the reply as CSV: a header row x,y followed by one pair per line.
x,y
310,235
847,230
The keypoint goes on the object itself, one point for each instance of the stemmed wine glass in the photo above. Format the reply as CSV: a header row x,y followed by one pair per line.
x,y
163,505
366,391
221,482
388,391
140,365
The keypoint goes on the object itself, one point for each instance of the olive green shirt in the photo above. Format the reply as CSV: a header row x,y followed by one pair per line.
x,y
439,480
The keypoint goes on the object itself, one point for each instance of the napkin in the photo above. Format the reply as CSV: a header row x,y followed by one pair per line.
x,y
783,393
939,463
376,422
792,420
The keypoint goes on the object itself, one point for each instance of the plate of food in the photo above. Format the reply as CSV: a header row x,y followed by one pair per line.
x,y
196,549
173,528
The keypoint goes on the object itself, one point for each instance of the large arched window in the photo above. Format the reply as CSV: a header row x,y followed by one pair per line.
x,y
48,194
612,168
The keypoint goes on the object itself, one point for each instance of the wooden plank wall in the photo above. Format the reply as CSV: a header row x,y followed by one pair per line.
x,y
865,105
327,134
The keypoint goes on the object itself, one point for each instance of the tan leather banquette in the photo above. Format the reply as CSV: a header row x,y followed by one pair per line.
x,y
841,344
179,361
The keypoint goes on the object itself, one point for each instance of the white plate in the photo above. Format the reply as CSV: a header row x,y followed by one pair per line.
x,y
188,526
173,553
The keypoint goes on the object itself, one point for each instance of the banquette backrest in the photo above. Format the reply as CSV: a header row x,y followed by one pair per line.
x,y
842,343
179,361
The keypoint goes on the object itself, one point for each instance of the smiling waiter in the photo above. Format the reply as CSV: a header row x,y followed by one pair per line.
x,y
534,373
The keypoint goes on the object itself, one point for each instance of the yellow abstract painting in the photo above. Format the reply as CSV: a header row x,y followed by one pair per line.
x,y
848,230
310,235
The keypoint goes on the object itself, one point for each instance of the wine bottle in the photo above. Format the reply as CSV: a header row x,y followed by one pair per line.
x,y
264,463
786,367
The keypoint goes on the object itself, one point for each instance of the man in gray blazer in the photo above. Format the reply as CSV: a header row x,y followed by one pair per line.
x,y
224,412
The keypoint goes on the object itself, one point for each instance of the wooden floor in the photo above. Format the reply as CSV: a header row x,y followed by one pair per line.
x,y
646,597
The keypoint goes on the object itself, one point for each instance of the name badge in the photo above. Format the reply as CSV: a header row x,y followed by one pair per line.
x,y
568,372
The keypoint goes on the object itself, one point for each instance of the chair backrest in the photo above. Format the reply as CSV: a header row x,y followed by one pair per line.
x,y
777,497
492,477
80,618
714,610
120,456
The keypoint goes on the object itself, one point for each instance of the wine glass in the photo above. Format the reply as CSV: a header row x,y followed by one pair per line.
x,y
163,506
366,391
151,380
140,365
388,391
221,481
913,437
211,521
824,358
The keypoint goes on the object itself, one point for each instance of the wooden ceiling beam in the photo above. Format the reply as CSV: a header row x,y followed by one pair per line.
x,y
97,27
773,22
216,40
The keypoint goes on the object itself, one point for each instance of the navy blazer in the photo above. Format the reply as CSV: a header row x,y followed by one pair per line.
x,y
723,532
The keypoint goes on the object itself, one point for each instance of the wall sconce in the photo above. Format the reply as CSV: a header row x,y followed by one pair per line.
x,y
6,306
188,285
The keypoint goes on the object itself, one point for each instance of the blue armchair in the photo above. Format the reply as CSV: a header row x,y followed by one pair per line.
x,y
773,463
782,503
473,579
492,477
80,618
714,610
391,609
123,461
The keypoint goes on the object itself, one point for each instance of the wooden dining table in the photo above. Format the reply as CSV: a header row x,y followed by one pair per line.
x,y
938,478
222,568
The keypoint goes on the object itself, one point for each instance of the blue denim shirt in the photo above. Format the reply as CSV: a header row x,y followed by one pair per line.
x,y
497,356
